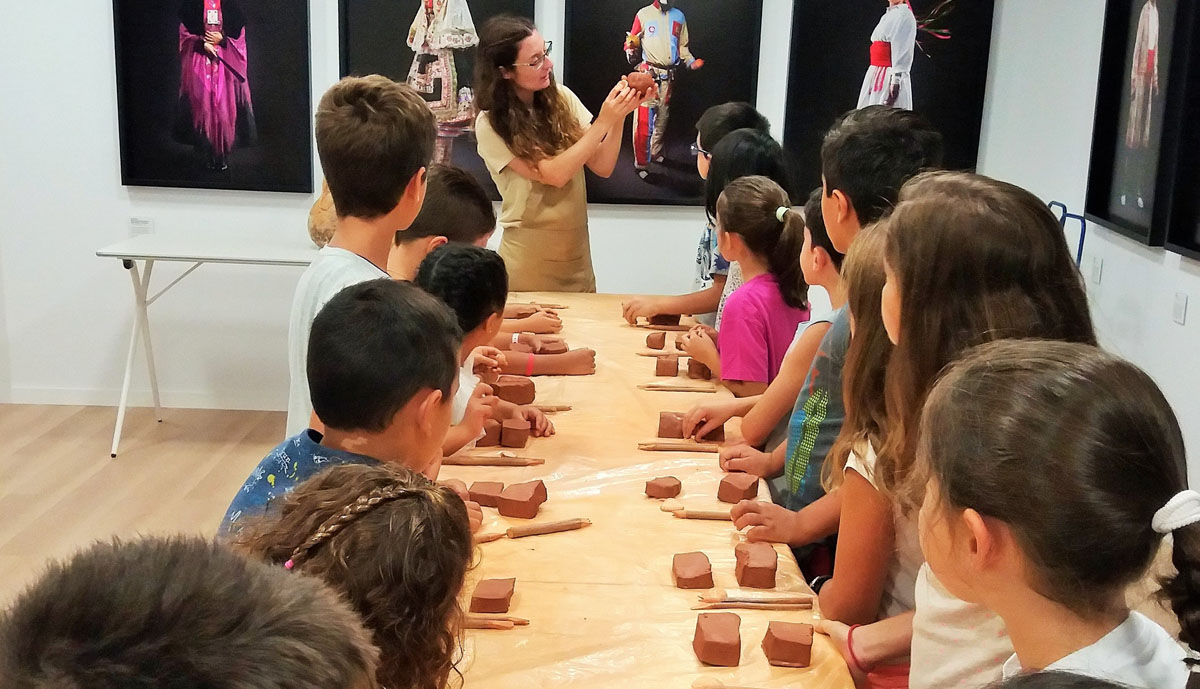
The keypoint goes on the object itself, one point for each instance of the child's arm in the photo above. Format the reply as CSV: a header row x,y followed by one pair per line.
x,y
504,341
776,524
886,641
745,388
577,362
866,540
480,408
781,394
542,323
703,418
704,301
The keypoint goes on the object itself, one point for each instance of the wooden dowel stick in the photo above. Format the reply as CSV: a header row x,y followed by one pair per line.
x,y
552,408
711,515
678,446
675,387
548,528
664,352
488,537
744,596
665,328
752,606
473,623
498,617
491,461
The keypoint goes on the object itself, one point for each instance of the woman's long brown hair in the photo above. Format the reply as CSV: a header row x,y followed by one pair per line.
x,y
532,132
977,260
863,374
396,545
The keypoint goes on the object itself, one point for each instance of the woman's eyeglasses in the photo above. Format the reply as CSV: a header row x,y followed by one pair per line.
x,y
538,60
696,150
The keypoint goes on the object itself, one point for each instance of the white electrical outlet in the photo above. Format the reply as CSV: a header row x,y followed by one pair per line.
x,y
140,226
1097,269
1179,313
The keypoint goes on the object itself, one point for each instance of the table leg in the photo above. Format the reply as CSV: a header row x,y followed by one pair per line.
x,y
142,304
140,328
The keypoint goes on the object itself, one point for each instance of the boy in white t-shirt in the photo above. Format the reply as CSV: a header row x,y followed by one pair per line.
x,y
375,139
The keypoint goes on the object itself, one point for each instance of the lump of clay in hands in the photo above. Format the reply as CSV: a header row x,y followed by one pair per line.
x,y
493,595
640,82
522,500
666,366
718,639
698,371
756,565
486,493
514,433
737,487
553,347
664,487
491,434
788,644
692,571
656,340
665,319
515,389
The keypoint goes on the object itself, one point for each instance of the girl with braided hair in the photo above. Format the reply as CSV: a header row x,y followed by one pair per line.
x,y
396,545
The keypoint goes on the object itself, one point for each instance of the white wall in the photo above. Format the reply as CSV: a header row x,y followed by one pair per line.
x,y
221,334
1037,133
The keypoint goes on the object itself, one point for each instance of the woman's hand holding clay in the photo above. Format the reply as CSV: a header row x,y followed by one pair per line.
x,y
621,101
539,424
768,522
748,460
704,418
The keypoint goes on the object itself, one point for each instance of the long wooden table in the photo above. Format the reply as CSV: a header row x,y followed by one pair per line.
x,y
602,606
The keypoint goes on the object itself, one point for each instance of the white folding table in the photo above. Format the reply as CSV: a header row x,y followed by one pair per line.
x,y
197,250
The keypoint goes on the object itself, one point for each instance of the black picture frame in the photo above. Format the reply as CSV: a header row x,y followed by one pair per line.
x,y
593,61
1183,230
372,36
1111,126
830,55
279,72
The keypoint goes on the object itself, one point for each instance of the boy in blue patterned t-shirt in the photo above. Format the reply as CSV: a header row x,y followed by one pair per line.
x,y
382,365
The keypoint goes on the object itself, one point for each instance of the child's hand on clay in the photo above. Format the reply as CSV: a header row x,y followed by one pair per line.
x,y
487,358
540,323
539,423
539,342
480,408
641,306
702,328
474,515
459,487
748,460
767,521
699,345
705,418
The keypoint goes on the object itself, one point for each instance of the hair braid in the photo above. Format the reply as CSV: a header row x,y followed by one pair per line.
x,y
349,514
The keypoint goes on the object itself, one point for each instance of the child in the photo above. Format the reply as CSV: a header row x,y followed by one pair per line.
x,y
393,544
757,228
969,260
711,268
375,138
473,282
456,210
764,416
869,154
180,612
382,359
1056,470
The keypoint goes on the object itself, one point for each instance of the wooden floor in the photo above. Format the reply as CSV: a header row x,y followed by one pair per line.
x,y
60,490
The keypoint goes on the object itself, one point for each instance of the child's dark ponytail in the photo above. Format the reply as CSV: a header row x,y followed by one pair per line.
x,y
1182,589
759,210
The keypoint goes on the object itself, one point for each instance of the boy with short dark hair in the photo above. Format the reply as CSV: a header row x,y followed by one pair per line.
x,y
382,367
867,156
456,210
180,612
375,138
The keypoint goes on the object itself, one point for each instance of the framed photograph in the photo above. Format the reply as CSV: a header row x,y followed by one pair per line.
x,y
930,56
1137,128
429,44
214,94
1183,225
700,53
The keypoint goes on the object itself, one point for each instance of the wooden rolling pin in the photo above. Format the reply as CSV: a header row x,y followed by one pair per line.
x,y
491,461
548,528
678,446
711,515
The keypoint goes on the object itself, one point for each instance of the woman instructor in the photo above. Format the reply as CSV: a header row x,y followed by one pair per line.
x,y
536,137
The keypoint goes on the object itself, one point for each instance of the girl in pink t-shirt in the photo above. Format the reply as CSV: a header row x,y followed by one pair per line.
x,y
757,228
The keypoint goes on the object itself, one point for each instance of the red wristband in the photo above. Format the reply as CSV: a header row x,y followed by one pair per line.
x,y
850,648
529,365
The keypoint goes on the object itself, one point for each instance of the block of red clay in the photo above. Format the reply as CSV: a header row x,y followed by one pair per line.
x,y
665,319
515,389
491,434
554,347
640,82
698,371
716,435
493,595
756,564
514,433
656,340
692,571
522,500
737,487
788,644
667,366
670,424
664,487
679,342
718,639
486,493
